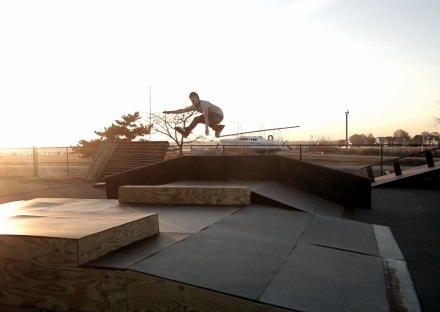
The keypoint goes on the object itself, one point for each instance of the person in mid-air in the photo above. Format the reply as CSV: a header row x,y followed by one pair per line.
x,y
211,116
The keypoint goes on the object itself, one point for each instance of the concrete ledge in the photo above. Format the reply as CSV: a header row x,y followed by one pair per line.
x,y
184,195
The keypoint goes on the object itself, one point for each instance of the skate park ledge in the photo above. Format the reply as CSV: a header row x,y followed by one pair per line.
x,y
347,189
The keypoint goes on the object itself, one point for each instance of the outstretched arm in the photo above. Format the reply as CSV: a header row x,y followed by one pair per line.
x,y
179,111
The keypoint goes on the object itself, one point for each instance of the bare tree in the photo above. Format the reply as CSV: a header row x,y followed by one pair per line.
x,y
166,124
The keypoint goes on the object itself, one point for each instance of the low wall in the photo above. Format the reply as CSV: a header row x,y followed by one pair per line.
x,y
344,188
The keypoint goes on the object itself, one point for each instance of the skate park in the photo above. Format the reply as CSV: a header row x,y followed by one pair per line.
x,y
213,232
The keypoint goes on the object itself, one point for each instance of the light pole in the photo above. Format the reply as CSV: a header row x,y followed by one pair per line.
x,y
346,129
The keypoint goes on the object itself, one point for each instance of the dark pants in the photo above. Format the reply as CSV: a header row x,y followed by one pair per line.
x,y
214,120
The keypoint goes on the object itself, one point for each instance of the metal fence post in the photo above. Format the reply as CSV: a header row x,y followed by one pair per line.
x,y
67,160
370,173
381,159
397,170
429,158
35,160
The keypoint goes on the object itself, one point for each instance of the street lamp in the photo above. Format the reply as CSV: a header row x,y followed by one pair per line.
x,y
346,129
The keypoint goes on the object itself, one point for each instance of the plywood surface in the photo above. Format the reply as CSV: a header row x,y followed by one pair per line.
x,y
62,288
95,227
43,273
43,243
246,183
64,217
185,195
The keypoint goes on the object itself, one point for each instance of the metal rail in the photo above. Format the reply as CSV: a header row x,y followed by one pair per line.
x,y
396,165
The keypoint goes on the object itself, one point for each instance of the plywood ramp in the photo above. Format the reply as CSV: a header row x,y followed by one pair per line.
x,y
185,195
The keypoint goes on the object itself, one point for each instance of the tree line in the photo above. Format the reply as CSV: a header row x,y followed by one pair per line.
x,y
399,136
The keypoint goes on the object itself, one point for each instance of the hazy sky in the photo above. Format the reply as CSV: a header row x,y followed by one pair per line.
x,y
68,68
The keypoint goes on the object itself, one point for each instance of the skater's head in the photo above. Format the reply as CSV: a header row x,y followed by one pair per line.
x,y
193,94
194,97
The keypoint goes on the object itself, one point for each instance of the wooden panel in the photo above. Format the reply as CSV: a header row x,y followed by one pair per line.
x,y
93,246
15,309
117,157
95,226
105,149
42,273
41,251
199,195
43,241
132,155
149,293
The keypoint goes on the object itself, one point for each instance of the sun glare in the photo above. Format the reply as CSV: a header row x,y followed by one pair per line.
x,y
272,63
7,225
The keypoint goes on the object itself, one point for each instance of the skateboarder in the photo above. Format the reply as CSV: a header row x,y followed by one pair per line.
x,y
211,116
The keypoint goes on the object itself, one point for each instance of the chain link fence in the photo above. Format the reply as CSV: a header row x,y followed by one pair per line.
x,y
62,162
42,162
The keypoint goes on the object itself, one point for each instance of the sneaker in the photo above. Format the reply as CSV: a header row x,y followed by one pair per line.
x,y
218,130
181,131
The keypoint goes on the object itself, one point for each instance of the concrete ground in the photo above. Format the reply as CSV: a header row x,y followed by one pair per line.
x,y
413,216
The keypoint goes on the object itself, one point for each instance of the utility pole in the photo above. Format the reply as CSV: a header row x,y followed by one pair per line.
x,y
346,129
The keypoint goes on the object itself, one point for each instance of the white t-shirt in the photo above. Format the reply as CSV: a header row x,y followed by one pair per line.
x,y
208,105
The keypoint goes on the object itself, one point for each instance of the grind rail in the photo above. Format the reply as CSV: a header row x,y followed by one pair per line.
x,y
396,164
